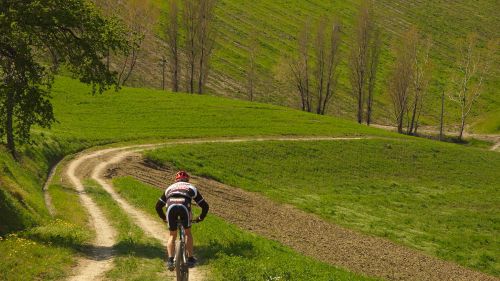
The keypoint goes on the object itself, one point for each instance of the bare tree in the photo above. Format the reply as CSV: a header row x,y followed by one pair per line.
x,y
141,16
320,61
205,40
327,60
190,20
402,75
473,65
373,60
421,79
441,118
359,56
251,71
300,68
172,32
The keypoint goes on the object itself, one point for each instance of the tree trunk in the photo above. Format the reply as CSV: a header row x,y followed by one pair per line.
x,y
191,74
133,60
442,118
200,76
176,72
462,127
369,109
413,117
360,105
400,119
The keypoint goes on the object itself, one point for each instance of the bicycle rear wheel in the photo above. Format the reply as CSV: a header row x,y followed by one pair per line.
x,y
181,268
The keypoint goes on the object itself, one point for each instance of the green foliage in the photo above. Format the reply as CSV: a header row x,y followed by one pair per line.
x,y
71,32
389,188
234,254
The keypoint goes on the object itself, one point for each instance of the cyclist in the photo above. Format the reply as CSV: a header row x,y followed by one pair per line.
x,y
177,201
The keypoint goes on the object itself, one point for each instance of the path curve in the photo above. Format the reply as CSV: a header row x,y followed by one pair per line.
x,y
334,244
102,255
101,258
494,138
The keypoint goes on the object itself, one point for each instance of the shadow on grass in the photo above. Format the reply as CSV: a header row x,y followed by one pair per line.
x,y
126,247
215,248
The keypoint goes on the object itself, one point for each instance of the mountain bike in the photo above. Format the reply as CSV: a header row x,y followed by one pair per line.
x,y
180,258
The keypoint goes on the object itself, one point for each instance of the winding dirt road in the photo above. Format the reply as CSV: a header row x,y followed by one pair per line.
x,y
92,165
333,244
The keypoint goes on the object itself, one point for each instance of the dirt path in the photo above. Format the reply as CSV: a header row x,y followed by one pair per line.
x,y
153,228
101,257
92,164
46,195
332,244
494,138
336,245
102,254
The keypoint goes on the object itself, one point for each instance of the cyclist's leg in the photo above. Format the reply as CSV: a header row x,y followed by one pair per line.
x,y
172,235
189,242
186,222
172,214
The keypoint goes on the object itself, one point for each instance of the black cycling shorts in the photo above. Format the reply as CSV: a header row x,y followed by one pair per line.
x,y
176,213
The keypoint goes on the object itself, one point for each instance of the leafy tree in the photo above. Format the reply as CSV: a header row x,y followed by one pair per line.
x,y
36,37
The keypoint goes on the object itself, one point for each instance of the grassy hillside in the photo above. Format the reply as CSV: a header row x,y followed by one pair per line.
x,y
138,114
47,247
440,198
135,113
277,24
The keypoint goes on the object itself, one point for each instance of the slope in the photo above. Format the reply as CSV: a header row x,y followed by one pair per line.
x,y
277,24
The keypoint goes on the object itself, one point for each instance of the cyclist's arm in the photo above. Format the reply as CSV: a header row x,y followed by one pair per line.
x,y
200,201
159,207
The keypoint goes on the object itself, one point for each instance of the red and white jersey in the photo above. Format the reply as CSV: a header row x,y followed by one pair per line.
x,y
181,191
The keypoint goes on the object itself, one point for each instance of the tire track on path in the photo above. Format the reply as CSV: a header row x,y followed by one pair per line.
x,y
295,228
101,257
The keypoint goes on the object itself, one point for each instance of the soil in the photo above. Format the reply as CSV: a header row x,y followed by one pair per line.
x,y
100,259
286,224
304,232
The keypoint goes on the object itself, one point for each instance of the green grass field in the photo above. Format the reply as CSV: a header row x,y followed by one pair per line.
x,y
234,254
439,198
142,115
134,115
277,24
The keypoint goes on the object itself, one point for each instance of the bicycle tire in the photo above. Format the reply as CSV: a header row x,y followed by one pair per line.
x,y
181,268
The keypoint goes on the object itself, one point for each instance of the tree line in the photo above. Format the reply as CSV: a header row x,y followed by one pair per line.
x,y
38,37
194,19
314,70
